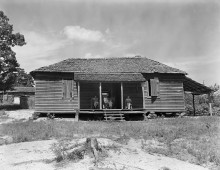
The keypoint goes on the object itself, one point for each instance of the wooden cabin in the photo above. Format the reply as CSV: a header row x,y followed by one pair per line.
x,y
72,86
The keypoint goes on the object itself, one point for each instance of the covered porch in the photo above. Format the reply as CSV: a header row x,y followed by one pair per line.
x,y
109,93
99,96
196,88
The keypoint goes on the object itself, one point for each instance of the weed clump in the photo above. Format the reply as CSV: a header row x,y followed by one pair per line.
x,y
66,150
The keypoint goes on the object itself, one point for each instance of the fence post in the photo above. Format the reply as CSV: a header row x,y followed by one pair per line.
x,y
210,104
77,115
194,108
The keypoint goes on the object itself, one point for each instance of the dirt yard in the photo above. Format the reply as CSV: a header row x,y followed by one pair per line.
x,y
17,115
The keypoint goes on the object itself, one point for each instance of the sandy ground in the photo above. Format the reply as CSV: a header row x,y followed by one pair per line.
x,y
38,155
16,115
24,115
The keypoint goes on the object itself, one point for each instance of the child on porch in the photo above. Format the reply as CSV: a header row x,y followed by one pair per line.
x,y
95,103
128,103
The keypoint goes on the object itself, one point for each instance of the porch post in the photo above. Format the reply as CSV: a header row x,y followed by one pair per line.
x,y
142,85
78,95
210,104
194,109
100,95
122,100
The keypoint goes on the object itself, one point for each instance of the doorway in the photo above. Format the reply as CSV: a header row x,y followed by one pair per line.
x,y
111,92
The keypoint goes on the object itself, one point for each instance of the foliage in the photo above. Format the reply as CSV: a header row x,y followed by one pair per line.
x,y
23,79
8,62
215,87
202,102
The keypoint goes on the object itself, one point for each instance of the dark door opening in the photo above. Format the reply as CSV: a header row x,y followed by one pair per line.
x,y
111,92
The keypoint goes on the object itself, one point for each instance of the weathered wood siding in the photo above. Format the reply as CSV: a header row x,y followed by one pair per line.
x,y
169,99
87,92
134,90
49,97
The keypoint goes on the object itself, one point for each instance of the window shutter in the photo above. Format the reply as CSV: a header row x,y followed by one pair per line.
x,y
148,88
154,89
72,89
158,87
68,89
64,89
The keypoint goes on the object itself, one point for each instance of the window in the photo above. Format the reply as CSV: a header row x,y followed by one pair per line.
x,y
68,89
153,87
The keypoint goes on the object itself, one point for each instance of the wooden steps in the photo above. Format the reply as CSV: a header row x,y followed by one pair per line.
x,y
113,115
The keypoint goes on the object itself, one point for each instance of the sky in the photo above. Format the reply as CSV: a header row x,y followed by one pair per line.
x,y
183,34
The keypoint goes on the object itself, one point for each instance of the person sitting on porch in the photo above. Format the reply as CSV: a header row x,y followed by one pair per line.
x,y
128,103
94,103
105,102
110,103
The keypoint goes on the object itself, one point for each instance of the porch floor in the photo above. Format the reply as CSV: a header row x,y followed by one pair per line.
x,y
113,111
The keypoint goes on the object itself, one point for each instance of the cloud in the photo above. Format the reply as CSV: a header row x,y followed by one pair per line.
x,y
82,34
41,49
44,48
89,55
204,70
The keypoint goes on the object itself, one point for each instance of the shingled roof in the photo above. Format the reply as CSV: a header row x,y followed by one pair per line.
x,y
195,87
110,65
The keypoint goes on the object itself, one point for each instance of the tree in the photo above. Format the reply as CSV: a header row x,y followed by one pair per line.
x,y
215,87
23,79
8,62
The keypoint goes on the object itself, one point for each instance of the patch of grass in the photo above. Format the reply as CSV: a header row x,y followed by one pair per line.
x,y
123,139
162,151
205,150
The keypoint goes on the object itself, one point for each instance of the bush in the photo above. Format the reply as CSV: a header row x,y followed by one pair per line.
x,y
201,104
60,149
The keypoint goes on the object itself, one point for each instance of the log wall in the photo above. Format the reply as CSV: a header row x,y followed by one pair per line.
x,y
170,98
49,97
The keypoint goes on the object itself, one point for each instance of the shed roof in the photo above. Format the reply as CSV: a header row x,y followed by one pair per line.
x,y
195,87
110,65
22,90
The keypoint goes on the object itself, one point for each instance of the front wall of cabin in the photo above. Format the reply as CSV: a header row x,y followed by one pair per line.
x,y
170,97
49,95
